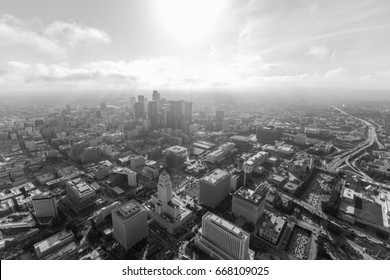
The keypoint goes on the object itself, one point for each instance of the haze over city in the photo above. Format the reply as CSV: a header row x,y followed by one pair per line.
x,y
194,130
186,45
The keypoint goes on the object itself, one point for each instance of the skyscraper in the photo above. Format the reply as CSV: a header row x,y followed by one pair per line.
x,y
154,115
156,95
214,187
130,224
139,111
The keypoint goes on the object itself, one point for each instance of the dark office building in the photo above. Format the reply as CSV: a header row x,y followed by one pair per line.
x,y
175,115
139,110
156,96
154,115
269,134
141,98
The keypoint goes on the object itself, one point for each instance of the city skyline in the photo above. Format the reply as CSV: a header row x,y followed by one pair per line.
x,y
193,45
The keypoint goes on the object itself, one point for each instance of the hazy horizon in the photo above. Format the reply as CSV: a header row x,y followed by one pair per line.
x,y
193,46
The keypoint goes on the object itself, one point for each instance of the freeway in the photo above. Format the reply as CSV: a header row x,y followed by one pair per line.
x,y
345,157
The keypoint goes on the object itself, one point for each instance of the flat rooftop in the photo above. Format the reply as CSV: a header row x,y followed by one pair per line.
x,y
80,187
128,210
250,196
255,158
177,149
215,176
122,170
53,240
44,195
229,227
273,224
348,193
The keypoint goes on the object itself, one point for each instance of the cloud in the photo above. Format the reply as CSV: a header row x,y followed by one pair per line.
x,y
73,33
317,51
55,39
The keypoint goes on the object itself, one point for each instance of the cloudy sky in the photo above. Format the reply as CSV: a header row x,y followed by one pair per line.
x,y
183,44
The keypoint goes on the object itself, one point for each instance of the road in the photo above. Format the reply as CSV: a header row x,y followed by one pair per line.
x,y
346,156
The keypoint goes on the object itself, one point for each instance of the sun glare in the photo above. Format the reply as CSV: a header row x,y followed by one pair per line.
x,y
189,21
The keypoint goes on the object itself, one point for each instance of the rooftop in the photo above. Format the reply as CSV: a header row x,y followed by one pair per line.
x,y
128,210
53,240
249,195
255,158
273,224
215,176
80,187
177,149
44,195
122,170
231,228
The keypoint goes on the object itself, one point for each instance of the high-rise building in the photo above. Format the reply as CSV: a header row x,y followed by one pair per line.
x,y
156,95
141,98
176,114
136,161
103,106
154,115
214,187
188,111
165,205
139,111
222,239
123,175
79,194
168,212
248,204
130,224
45,207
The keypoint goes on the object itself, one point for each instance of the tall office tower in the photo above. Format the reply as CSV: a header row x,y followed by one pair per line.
x,y
248,205
219,116
222,239
139,111
176,114
103,106
154,115
146,102
45,207
99,114
130,224
156,95
188,111
141,98
214,187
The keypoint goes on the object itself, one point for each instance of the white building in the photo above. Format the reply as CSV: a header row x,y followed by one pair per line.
x,y
169,211
254,161
223,240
